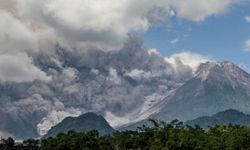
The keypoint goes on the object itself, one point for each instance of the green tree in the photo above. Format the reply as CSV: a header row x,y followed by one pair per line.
x,y
9,142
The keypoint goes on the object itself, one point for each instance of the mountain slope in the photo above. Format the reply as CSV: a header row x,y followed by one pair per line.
x,y
83,123
216,87
226,117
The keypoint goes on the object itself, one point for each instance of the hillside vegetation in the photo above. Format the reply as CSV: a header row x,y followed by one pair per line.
x,y
173,136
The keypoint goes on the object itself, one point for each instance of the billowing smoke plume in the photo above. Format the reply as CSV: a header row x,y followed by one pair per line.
x,y
123,84
62,58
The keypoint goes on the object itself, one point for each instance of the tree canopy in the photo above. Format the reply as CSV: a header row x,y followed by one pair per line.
x,y
172,136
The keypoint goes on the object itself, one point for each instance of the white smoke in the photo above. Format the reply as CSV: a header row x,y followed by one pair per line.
x,y
28,25
18,67
192,60
53,118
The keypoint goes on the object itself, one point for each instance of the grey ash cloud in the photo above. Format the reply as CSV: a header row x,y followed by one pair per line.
x,y
114,84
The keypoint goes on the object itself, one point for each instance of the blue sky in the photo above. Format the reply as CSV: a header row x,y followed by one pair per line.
x,y
219,37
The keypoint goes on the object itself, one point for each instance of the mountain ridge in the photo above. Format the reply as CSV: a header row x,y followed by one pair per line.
x,y
229,116
214,88
83,123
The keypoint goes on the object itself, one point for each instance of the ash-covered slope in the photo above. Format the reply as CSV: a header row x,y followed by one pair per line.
x,y
226,117
216,87
82,123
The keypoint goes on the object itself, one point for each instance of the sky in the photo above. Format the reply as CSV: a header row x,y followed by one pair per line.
x,y
220,37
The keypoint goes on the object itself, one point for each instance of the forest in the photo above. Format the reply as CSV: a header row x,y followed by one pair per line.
x,y
161,136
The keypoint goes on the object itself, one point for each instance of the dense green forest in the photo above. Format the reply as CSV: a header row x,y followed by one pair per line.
x,y
162,136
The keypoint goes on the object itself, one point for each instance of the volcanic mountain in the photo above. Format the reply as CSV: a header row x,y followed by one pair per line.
x,y
216,87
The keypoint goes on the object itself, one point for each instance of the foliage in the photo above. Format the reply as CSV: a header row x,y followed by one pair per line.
x,y
173,136
9,142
